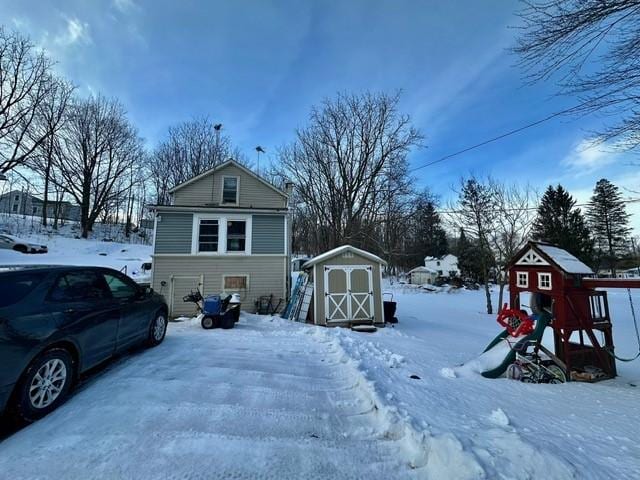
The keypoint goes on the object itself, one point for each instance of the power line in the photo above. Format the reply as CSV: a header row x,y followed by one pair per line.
x,y
524,209
494,139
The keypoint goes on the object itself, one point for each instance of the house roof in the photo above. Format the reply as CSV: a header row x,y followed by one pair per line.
x,y
441,257
340,250
423,269
224,165
554,255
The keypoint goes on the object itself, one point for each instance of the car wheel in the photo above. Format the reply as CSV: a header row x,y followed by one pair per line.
x,y
157,330
45,384
20,248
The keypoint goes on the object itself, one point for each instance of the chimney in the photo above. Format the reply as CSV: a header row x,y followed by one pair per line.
x,y
288,188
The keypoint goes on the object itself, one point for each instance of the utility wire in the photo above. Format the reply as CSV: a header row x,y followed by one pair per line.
x,y
495,139
524,209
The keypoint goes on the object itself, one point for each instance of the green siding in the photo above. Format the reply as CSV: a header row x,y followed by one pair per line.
x,y
208,191
268,234
173,233
266,277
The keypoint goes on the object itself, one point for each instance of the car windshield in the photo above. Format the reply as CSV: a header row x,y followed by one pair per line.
x,y
15,286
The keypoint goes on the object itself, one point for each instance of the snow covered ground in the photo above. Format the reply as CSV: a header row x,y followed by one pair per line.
x,y
505,429
275,399
71,251
268,399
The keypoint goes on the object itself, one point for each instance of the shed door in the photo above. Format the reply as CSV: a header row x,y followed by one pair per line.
x,y
348,293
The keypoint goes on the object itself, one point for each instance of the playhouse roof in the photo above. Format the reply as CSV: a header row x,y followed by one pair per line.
x,y
340,250
540,253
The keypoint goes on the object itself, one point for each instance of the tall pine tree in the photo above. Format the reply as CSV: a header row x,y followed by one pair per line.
x,y
430,238
559,222
609,222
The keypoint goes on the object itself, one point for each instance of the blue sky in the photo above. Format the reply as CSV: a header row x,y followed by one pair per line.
x,y
258,67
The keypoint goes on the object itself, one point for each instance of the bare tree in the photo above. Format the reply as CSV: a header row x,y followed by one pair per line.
x,y
99,147
51,118
190,149
25,84
591,47
342,164
515,212
475,213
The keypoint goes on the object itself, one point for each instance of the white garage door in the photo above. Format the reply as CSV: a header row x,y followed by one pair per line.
x,y
348,293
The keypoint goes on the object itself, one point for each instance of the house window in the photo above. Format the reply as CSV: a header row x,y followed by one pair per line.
x,y
438,263
234,283
230,190
15,207
544,281
17,198
236,235
208,236
522,279
34,210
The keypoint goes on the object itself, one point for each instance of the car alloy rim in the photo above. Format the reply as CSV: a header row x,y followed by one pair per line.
x,y
48,382
158,329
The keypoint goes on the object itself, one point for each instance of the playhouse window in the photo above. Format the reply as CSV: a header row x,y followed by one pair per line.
x,y
522,279
544,281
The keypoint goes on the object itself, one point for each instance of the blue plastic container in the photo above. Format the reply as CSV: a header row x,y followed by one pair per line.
x,y
212,305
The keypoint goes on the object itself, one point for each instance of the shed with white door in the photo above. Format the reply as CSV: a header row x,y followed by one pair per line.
x,y
347,287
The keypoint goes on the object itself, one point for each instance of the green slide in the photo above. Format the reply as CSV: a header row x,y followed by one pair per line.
x,y
542,321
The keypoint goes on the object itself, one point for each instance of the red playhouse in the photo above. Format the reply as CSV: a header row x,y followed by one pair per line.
x,y
577,309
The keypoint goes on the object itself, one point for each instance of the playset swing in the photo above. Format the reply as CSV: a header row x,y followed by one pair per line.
x,y
565,299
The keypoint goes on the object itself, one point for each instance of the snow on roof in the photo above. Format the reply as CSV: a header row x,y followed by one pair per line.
x,y
423,269
565,260
338,251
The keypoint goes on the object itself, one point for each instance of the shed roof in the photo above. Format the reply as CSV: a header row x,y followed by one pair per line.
x,y
340,250
546,252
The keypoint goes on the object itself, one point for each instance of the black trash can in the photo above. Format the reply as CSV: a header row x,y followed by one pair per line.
x,y
390,310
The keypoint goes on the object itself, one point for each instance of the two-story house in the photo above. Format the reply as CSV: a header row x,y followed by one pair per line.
x,y
446,265
225,231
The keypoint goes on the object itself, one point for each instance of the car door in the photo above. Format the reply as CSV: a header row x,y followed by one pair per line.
x,y
84,308
135,312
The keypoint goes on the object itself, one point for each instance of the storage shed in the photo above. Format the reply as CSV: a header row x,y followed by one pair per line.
x,y
347,287
422,276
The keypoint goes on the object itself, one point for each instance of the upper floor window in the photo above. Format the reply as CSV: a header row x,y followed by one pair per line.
x,y
230,190
236,235
208,236
221,234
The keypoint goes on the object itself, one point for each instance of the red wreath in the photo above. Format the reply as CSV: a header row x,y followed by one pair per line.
x,y
515,321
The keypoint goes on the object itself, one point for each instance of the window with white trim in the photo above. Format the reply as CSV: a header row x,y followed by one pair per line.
x,y
544,281
522,279
208,235
230,190
236,235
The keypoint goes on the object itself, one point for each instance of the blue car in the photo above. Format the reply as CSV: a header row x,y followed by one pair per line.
x,y
59,321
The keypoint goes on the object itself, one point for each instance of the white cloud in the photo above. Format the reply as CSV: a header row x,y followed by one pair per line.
x,y
124,6
588,157
75,32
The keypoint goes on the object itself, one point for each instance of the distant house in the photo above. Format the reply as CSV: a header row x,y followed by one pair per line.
x,y
20,202
446,265
422,276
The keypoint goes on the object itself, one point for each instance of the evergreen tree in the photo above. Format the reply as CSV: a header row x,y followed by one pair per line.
x,y
560,223
609,222
430,238
468,258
